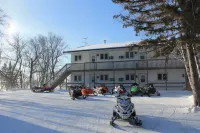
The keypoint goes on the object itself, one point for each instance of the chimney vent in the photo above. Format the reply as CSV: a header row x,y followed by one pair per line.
x,y
104,41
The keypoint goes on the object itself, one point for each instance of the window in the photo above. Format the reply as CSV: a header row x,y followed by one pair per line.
x,y
132,76
129,77
104,56
159,76
112,79
77,78
77,58
129,54
142,57
162,76
101,77
93,58
104,77
142,79
111,57
121,79
121,57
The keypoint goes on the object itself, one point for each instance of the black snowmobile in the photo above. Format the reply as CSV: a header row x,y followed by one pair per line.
x,y
149,90
75,92
124,109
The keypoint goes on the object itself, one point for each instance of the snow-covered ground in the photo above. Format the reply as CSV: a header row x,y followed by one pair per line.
x,y
28,112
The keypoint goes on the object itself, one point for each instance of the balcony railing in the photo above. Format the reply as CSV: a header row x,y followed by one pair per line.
x,y
133,64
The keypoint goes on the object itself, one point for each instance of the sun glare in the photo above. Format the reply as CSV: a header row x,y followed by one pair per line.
x,y
12,28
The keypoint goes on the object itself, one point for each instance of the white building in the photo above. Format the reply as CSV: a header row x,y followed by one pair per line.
x,y
115,63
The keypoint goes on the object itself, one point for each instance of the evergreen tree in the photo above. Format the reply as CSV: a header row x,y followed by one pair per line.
x,y
168,25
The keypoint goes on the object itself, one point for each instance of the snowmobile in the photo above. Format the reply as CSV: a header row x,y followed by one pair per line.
x,y
117,90
45,88
86,91
125,110
136,90
75,92
101,89
149,90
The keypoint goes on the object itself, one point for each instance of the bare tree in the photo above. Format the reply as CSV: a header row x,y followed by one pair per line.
x,y
3,21
56,46
44,60
3,17
42,54
50,48
17,44
32,55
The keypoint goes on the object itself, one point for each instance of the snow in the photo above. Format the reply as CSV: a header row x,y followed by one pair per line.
x,y
193,108
102,46
27,112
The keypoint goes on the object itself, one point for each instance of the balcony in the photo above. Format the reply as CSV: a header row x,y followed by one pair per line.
x,y
128,65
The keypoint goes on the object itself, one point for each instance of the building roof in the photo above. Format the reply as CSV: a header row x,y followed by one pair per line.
x,y
101,46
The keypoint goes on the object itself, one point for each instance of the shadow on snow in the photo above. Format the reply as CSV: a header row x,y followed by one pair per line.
x,y
11,125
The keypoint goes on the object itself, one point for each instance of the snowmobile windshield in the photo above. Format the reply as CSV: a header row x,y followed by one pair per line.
x,y
123,101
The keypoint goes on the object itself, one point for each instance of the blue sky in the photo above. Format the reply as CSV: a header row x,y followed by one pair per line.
x,y
72,19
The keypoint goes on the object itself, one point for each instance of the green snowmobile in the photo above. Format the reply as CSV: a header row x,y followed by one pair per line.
x,y
136,90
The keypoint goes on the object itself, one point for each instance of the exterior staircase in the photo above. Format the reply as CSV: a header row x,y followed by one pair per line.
x,y
60,76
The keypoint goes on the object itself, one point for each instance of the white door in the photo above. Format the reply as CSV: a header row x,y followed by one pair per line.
x,y
142,79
